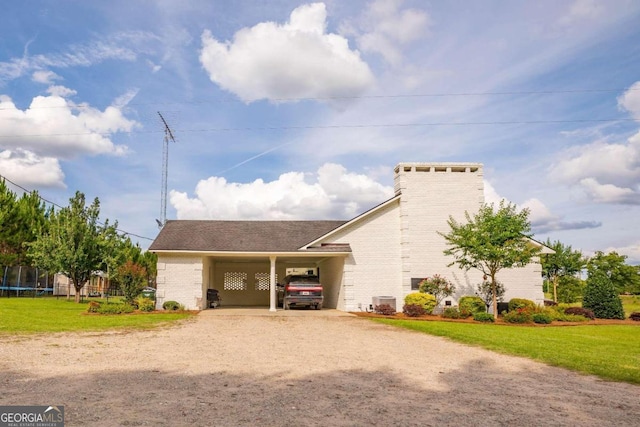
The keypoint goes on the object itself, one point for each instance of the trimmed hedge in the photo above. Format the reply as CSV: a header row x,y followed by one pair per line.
x,y
427,301
522,303
471,305
580,312
413,310
452,313
542,318
484,317
171,305
385,309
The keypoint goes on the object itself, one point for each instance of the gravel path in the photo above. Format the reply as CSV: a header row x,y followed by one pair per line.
x,y
297,369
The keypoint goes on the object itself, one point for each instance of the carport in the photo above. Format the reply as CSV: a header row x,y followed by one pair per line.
x,y
244,260
249,279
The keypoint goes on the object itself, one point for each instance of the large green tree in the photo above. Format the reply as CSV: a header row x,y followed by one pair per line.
x,y
490,241
563,262
625,277
75,244
22,219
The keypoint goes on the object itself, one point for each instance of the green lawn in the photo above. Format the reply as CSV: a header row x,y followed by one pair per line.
x,y
35,315
608,351
631,303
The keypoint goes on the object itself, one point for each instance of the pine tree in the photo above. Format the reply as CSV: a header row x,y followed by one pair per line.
x,y
601,297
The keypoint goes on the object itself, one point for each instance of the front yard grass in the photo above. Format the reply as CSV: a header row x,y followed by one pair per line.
x,y
48,314
609,351
630,303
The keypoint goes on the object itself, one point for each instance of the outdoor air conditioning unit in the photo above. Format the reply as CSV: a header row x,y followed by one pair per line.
x,y
384,300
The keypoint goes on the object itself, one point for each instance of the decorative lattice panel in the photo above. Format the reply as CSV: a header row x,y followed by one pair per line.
x,y
235,281
263,280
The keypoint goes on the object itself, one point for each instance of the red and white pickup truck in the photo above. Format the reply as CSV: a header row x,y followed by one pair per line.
x,y
302,291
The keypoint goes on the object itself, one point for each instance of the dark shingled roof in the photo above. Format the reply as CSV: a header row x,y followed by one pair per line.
x,y
243,236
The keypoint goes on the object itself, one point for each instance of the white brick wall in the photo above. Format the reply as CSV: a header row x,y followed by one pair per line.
x,y
374,267
430,193
180,278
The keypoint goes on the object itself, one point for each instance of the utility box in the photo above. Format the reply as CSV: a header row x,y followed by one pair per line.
x,y
384,300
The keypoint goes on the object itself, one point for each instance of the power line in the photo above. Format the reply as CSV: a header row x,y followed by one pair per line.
x,y
329,98
355,126
61,207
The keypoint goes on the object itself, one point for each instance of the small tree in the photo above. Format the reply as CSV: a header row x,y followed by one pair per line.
x,y
563,262
490,241
626,278
437,286
601,297
131,277
485,291
74,242
570,289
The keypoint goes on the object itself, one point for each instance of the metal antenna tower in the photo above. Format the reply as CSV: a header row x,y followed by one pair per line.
x,y
168,135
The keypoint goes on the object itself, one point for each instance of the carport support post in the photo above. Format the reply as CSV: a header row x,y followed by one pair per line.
x,y
272,284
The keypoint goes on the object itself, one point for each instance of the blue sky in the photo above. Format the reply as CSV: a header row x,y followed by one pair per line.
x,y
292,110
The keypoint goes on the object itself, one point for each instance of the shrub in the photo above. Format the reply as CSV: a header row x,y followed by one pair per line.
x,y
426,301
542,318
145,304
413,310
521,303
470,305
115,308
171,305
385,309
131,277
570,289
93,307
483,317
519,315
557,313
437,286
635,316
580,312
451,313
601,297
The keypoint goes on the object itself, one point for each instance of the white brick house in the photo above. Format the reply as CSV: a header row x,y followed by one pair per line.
x,y
385,251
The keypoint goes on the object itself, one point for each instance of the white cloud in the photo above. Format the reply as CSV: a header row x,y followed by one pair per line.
x,y
61,91
385,28
331,193
124,46
630,100
30,170
46,77
53,126
632,252
609,193
608,173
540,216
292,60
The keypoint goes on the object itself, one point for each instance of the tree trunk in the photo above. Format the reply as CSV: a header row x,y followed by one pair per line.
x,y
78,294
555,288
494,291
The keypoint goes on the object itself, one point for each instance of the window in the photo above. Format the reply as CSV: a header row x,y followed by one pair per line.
x,y
263,280
415,283
235,281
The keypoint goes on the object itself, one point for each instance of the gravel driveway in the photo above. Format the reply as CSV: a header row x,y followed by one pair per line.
x,y
255,368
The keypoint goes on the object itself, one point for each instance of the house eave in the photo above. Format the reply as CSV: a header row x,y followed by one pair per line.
x,y
243,254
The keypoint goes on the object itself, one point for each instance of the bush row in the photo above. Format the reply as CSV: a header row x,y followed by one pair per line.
x,y
140,303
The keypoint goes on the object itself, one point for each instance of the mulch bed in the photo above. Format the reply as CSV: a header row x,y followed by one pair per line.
x,y
499,321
